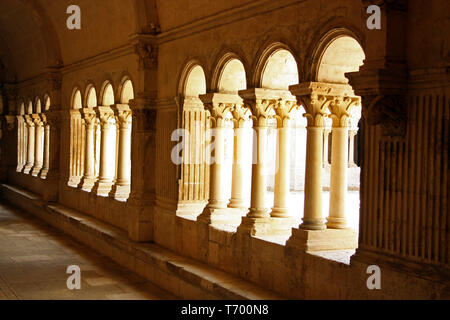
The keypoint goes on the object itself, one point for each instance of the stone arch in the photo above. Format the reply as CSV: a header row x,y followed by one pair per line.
x,y
107,94
193,80
47,102
329,45
90,99
76,100
126,90
230,75
277,68
37,105
29,109
21,108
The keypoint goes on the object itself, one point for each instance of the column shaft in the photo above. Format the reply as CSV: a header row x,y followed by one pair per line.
x,y
282,176
38,149
46,164
338,179
312,219
216,192
30,146
124,158
258,206
237,190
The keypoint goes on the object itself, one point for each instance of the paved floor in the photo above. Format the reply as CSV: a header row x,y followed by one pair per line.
x,y
34,258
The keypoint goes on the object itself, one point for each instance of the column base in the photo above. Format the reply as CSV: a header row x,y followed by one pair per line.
x,y
120,193
337,223
191,208
256,226
237,204
220,217
323,240
102,188
279,212
86,184
27,169
43,174
313,224
35,171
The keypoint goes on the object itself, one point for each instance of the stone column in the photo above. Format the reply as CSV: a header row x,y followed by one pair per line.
x,y
105,181
21,143
88,180
315,101
121,188
326,134
219,105
261,103
351,148
30,144
38,148
283,166
46,163
340,113
240,115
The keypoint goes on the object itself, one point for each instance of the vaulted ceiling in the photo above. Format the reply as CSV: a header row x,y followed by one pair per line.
x,y
34,35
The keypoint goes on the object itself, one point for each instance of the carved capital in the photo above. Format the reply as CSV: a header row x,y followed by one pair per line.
x,y
123,119
262,111
105,115
148,54
37,120
340,108
11,121
389,111
316,98
219,105
283,109
241,114
29,120
89,118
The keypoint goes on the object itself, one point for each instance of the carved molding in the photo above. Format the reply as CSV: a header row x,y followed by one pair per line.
x,y
148,55
262,111
340,109
241,114
389,111
283,109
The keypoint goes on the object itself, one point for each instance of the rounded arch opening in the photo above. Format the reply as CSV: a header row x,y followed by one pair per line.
x,y
195,82
29,107
91,97
38,105
108,94
22,109
280,71
47,102
342,54
76,99
127,92
232,77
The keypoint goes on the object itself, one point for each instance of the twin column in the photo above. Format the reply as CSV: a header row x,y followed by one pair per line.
x,y
317,98
104,184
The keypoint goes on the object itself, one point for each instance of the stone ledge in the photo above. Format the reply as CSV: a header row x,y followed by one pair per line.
x,y
323,240
183,277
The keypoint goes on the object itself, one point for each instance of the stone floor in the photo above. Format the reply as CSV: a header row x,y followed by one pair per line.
x,y
34,258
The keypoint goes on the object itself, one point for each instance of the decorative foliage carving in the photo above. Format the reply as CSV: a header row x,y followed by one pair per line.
x,y
340,108
283,109
262,111
148,55
241,114
389,111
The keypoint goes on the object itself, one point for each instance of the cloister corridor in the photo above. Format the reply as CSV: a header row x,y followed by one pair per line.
x,y
224,150
34,258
